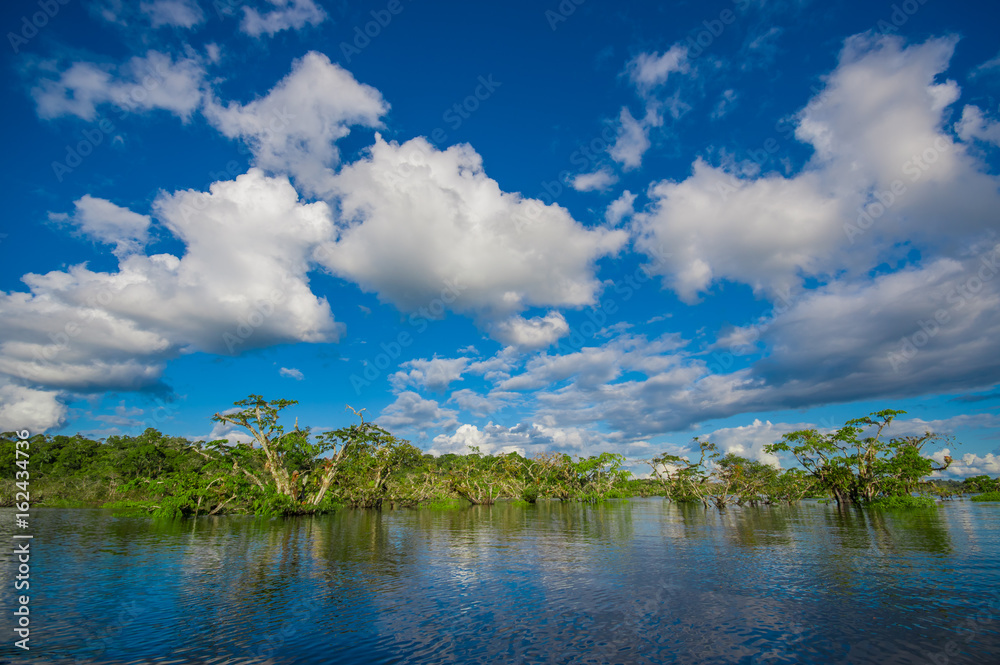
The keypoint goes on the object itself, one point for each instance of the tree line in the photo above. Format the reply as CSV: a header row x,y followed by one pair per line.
x,y
293,471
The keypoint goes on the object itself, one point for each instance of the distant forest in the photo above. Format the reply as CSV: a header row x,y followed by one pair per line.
x,y
289,472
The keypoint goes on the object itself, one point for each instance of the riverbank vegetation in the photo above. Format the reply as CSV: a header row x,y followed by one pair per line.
x,y
279,471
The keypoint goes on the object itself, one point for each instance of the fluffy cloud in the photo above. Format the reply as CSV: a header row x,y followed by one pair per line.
x,y
632,141
241,283
410,411
144,83
968,464
425,228
287,15
760,232
291,373
435,374
749,440
883,170
905,334
294,128
596,181
26,408
491,440
649,70
482,405
176,13
648,73
529,439
620,208
596,366
973,126
105,222
232,434
531,334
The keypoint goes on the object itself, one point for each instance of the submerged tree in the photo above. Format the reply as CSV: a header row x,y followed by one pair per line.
x,y
366,459
482,479
745,481
359,459
260,418
684,480
858,469
586,479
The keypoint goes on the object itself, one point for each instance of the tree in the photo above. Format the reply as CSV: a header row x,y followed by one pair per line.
x,y
683,480
365,459
981,484
482,479
364,456
790,486
588,478
748,480
858,469
260,418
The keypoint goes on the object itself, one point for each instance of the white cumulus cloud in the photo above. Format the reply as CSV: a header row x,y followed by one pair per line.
x,y
286,15
144,83
425,228
294,128
531,334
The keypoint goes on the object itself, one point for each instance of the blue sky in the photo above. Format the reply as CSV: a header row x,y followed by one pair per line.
x,y
573,226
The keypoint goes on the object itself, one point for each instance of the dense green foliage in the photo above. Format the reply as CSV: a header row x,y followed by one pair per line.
x,y
981,484
860,469
721,480
902,502
279,472
988,496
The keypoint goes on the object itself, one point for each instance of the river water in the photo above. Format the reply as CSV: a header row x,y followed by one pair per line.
x,y
638,581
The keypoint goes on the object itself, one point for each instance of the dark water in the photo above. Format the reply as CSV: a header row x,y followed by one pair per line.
x,y
641,581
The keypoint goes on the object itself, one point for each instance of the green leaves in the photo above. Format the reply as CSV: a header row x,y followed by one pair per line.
x,y
856,463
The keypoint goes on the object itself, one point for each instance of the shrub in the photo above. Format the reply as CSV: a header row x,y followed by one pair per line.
x,y
903,502
988,496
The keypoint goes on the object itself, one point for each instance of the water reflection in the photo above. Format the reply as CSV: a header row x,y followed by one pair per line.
x,y
642,581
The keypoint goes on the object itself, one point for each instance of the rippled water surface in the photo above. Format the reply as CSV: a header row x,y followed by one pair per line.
x,y
639,581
